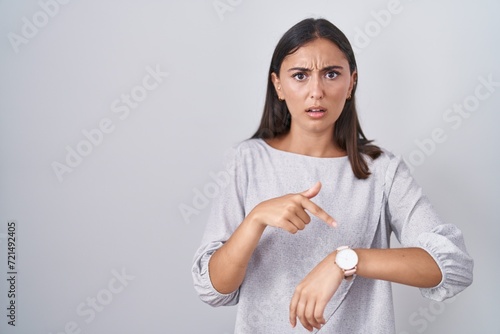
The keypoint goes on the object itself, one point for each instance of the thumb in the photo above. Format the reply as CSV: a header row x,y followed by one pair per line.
x,y
313,191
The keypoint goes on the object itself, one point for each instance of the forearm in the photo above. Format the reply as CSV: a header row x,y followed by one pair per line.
x,y
228,264
409,266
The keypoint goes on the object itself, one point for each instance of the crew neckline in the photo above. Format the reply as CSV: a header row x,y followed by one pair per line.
x,y
270,148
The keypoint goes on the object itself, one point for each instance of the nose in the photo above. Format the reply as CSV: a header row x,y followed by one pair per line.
x,y
316,88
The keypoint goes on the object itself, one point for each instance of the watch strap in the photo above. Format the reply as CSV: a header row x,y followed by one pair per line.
x,y
348,273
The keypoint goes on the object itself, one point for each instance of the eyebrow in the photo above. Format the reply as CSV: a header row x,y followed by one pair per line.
x,y
325,69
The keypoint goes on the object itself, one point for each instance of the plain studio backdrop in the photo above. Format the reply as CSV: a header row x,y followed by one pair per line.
x,y
116,117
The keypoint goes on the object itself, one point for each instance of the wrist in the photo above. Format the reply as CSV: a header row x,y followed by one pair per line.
x,y
253,222
338,271
346,260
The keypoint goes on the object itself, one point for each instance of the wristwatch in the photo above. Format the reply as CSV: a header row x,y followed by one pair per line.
x,y
347,260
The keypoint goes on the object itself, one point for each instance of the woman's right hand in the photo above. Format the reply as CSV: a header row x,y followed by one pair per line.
x,y
228,264
288,212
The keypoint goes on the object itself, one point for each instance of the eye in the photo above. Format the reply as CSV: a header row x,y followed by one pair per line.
x,y
299,76
331,75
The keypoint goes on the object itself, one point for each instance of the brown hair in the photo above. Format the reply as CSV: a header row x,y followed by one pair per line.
x,y
276,118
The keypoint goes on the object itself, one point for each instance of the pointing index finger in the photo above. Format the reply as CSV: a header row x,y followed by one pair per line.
x,y
318,212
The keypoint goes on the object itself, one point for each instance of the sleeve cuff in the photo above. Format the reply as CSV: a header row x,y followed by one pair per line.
x,y
446,245
203,284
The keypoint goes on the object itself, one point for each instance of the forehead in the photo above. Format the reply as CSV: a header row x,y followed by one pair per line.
x,y
316,54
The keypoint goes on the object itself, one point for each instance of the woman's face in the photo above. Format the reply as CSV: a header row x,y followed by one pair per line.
x,y
315,82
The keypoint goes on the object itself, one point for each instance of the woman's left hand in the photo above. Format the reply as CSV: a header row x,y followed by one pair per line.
x,y
314,292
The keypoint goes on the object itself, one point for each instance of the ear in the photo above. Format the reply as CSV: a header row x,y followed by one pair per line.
x,y
354,80
277,85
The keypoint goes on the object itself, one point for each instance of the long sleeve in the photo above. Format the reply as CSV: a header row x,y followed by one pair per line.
x,y
226,214
416,224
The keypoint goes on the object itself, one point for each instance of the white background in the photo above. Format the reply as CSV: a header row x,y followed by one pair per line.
x,y
118,209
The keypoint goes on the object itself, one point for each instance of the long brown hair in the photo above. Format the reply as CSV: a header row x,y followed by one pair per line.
x,y
276,118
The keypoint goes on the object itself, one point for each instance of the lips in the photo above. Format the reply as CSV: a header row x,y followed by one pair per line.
x,y
316,111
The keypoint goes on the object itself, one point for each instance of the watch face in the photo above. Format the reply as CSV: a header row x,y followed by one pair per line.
x,y
347,259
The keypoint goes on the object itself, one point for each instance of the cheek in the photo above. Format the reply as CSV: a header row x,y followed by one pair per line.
x,y
293,91
294,98
294,106
339,90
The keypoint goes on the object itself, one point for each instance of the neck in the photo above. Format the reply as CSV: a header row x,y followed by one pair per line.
x,y
310,144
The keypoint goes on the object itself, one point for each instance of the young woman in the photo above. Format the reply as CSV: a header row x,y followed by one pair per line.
x,y
301,233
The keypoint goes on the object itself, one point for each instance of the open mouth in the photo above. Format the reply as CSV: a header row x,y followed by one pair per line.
x,y
316,112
